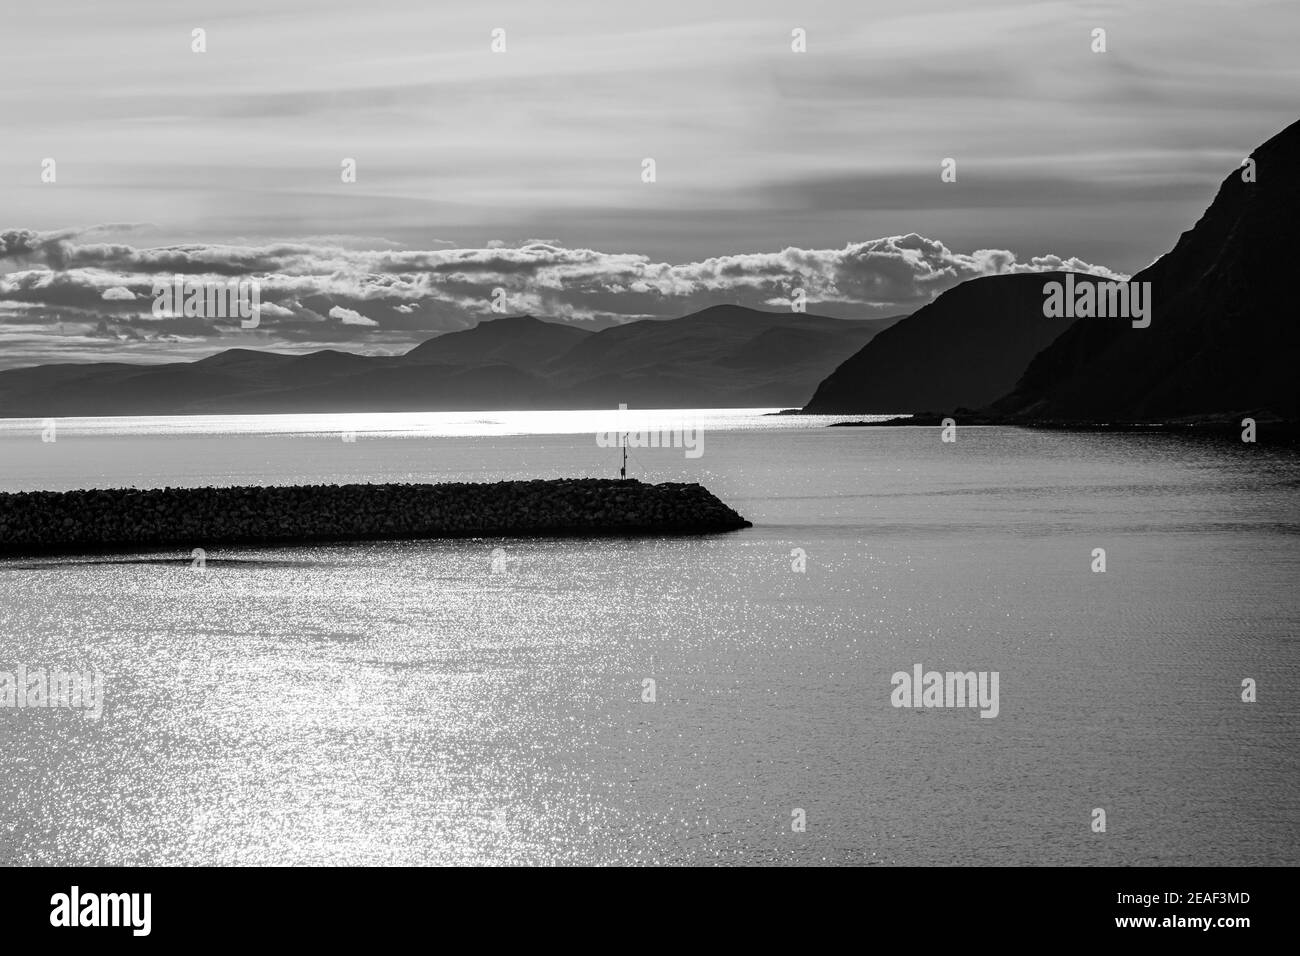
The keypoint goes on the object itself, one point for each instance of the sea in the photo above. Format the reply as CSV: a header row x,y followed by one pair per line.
x,y
727,699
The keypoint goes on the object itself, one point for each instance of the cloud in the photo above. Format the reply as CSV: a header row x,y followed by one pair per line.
x,y
756,146
350,317
51,247
384,299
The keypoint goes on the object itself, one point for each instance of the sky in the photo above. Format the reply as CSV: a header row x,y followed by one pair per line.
x,y
522,169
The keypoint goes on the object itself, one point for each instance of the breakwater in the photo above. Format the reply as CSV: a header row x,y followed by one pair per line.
x,y
62,521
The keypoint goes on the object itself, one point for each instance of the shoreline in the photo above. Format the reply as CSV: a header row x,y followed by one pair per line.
x,y
1208,427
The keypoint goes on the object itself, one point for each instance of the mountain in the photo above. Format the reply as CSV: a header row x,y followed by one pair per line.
x,y
723,357
387,387
1224,337
965,349
521,341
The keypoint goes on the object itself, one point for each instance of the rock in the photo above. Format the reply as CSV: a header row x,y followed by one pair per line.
x,y
200,517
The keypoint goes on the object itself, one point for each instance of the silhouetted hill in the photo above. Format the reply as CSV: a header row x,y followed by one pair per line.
x,y
1223,338
1224,333
395,387
724,357
245,358
965,349
521,341
89,390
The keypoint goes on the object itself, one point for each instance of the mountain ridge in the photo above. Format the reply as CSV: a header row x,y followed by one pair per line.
x,y
964,349
1221,342
1223,338
499,364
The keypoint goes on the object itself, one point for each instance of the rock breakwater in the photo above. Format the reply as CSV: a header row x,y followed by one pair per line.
x,y
42,521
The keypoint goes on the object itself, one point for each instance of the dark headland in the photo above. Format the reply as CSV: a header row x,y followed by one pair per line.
x,y
70,521
1221,343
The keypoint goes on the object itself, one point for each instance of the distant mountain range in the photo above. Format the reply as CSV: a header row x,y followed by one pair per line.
x,y
1224,338
726,356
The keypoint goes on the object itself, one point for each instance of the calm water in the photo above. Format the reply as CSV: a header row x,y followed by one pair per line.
x,y
402,703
